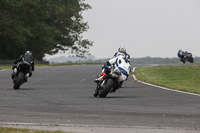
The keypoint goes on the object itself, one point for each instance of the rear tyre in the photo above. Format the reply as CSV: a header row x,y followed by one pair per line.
x,y
18,80
106,88
191,60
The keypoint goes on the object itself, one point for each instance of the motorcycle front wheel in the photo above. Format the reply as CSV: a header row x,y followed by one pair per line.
x,y
107,88
183,60
18,80
191,60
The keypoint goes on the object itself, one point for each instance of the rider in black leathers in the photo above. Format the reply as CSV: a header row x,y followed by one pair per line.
x,y
26,57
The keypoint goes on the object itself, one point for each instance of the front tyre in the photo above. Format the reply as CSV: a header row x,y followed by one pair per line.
x,y
191,60
183,60
18,80
107,88
96,93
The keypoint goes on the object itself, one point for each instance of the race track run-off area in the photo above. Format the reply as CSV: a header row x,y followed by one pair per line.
x,y
61,98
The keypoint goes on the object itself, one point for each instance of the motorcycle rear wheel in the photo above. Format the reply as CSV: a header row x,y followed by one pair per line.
x,y
106,88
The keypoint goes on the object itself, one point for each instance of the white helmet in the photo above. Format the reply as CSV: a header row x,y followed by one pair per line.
x,y
122,49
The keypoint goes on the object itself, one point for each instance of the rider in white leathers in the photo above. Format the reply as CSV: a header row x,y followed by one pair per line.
x,y
122,52
107,67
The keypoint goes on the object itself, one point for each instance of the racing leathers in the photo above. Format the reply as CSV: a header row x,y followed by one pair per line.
x,y
123,54
106,69
26,57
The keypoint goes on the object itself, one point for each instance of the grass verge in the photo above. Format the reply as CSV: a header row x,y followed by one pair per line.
x,y
183,78
5,67
16,130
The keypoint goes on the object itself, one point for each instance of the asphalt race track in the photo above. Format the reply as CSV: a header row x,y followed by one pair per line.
x,y
64,95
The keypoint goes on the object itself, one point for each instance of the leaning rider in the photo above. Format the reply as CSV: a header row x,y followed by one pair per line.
x,y
181,54
122,52
106,69
25,57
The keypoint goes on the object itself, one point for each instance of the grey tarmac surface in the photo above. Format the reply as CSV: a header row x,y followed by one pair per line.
x,y
61,98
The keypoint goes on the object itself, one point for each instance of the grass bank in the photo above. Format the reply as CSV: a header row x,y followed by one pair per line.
x,y
184,78
5,67
16,130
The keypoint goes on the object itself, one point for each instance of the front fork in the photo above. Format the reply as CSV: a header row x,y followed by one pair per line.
x,y
96,93
99,87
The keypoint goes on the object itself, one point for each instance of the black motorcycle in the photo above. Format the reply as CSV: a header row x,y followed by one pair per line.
x,y
20,77
186,57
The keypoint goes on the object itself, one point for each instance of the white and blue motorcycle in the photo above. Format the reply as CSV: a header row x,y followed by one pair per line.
x,y
120,69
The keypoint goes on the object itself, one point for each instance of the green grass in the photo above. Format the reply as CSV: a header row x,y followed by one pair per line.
x,y
5,67
184,78
16,130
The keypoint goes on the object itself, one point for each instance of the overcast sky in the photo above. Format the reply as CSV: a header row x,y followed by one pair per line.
x,y
155,28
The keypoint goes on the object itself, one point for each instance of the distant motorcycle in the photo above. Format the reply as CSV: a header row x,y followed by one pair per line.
x,y
185,56
21,73
119,73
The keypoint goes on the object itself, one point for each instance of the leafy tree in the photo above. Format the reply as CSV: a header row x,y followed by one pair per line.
x,y
43,27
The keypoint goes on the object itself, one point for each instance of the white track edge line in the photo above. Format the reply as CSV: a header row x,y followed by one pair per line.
x,y
164,88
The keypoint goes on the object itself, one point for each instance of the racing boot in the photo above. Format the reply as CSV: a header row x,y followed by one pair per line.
x,y
26,77
14,73
101,78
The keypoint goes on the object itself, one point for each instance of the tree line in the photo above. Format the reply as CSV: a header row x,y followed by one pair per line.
x,y
43,27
